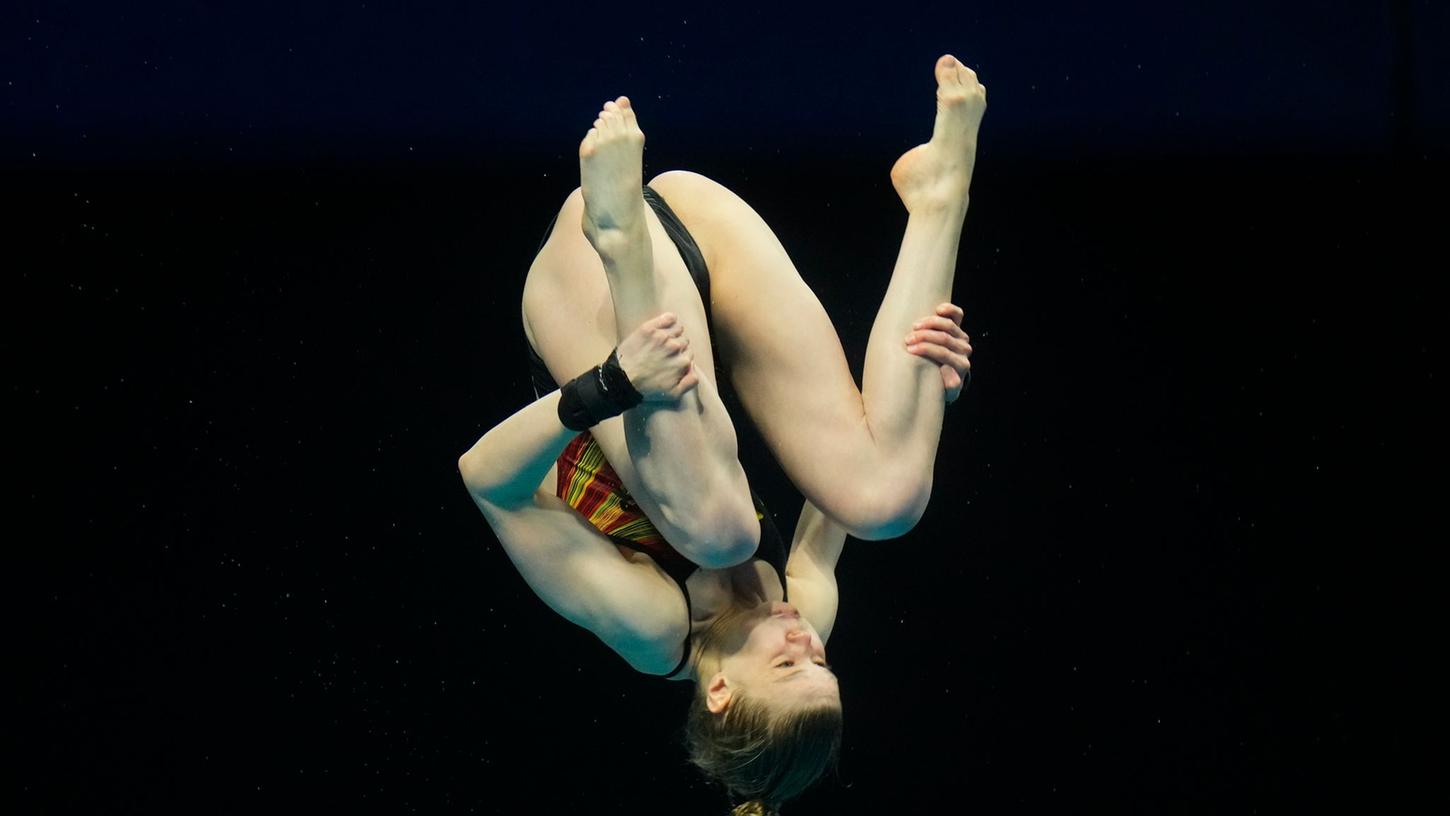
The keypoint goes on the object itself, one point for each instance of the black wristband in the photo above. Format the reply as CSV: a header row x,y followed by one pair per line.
x,y
602,392
617,385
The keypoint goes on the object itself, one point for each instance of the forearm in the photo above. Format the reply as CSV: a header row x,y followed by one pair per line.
x,y
507,464
817,544
811,570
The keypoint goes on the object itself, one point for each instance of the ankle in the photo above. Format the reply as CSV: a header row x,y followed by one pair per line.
x,y
618,243
946,203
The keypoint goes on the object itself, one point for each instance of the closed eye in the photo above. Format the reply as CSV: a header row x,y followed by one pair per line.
x,y
788,663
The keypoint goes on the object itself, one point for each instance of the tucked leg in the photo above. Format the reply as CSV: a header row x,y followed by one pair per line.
x,y
866,457
588,288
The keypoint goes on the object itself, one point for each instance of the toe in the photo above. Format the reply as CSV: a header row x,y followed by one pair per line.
x,y
946,69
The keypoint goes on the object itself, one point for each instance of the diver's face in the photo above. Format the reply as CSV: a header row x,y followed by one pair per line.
x,y
780,658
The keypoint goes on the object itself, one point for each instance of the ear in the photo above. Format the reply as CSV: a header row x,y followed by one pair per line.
x,y
718,693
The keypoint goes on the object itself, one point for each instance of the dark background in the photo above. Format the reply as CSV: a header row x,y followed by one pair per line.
x,y
267,269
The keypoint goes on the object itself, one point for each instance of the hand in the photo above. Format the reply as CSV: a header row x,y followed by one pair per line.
x,y
656,357
940,339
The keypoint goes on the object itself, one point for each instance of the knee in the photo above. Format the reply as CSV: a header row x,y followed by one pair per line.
x,y
724,538
883,512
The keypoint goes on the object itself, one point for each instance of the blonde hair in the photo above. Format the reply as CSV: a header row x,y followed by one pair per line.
x,y
754,808
762,756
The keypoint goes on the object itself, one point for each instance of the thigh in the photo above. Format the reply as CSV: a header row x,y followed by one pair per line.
x,y
568,310
780,349
568,316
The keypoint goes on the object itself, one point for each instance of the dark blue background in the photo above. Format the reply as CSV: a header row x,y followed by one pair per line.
x,y
264,287
453,82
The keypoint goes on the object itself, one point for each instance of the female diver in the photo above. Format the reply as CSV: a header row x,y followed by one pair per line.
x,y
619,497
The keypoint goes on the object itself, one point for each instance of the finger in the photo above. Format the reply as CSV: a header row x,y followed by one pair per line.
x,y
941,324
958,345
953,390
937,337
686,385
687,382
952,312
941,356
665,319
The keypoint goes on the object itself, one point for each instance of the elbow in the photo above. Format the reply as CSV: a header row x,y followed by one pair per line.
x,y
472,473
487,485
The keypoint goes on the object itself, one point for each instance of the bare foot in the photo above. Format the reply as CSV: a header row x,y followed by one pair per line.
x,y
938,173
611,175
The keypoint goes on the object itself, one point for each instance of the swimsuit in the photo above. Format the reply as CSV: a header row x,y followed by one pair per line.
x,y
589,485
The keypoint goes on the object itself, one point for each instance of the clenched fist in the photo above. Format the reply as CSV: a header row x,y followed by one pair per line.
x,y
656,357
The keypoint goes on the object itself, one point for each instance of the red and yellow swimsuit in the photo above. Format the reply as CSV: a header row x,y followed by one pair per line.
x,y
588,484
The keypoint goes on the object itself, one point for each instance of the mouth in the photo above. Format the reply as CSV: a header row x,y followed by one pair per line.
x,y
781,609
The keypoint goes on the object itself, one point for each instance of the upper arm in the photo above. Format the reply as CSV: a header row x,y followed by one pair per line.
x,y
811,571
632,606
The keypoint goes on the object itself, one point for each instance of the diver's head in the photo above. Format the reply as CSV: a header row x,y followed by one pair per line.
x,y
768,652
766,718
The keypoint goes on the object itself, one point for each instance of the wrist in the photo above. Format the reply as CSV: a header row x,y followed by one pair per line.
x,y
598,394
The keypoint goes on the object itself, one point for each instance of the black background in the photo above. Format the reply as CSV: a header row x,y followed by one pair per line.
x,y
267,280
